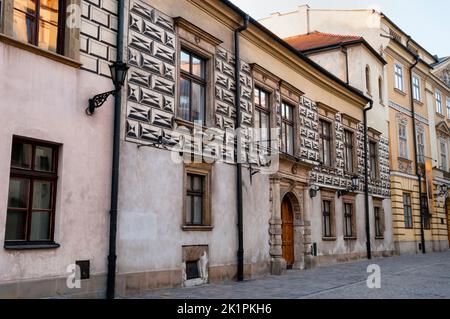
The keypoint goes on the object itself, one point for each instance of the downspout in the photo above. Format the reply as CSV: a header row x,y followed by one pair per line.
x,y
366,182
416,162
344,50
237,99
111,279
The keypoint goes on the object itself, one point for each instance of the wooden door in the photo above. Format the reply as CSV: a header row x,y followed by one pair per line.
x,y
287,235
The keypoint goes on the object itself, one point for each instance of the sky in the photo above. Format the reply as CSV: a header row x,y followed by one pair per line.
x,y
426,21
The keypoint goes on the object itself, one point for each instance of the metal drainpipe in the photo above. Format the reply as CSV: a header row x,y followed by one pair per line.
x,y
237,67
366,184
111,279
416,162
344,50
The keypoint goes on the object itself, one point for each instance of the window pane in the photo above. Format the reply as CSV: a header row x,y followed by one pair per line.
x,y
198,102
263,99
15,225
198,183
40,229
21,155
43,159
48,36
198,210
28,6
49,11
18,193
188,210
42,194
184,61
256,97
283,137
23,27
290,140
265,129
198,68
183,108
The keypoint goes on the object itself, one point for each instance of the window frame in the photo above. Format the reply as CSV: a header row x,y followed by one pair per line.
x,y
379,221
421,147
404,139
373,156
398,76
192,78
328,216
266,111
328,138
447,102
407,211
285,122
416,88
351,149
443,155
438,98
425,212
352,218
205,171
61,28
32,175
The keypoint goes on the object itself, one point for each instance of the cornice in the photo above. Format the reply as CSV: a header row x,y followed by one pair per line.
x,y
198,32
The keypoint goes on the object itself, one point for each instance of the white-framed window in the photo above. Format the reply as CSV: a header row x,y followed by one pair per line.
x,y
398,77
439,102
421,147
448,108
443,151
402,140
416,87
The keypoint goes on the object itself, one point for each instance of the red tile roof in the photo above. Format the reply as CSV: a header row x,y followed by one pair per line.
x,y
318,40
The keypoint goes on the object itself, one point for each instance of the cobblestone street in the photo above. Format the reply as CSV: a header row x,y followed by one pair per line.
x,y
406,276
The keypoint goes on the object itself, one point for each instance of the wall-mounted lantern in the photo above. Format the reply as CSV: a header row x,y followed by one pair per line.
x,y
118,75
353,187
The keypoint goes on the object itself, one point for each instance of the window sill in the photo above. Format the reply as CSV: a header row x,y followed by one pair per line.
x,y
30,245
38,51
400,91
418,102
404,159
379,237
440,115
329,238
350,238
197,228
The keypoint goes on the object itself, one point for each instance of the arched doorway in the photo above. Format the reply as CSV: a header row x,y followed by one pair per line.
x,y
287,235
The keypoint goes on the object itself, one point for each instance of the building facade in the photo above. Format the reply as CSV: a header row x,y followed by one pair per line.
x,y
55,161
197,112
414,103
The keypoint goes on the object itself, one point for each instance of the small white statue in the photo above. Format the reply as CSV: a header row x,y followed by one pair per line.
x,y
202,266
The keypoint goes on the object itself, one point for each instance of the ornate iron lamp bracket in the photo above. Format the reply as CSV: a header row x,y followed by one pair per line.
x,y
98,100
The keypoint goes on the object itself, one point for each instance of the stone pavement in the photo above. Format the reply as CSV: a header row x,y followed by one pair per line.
x,y
406,276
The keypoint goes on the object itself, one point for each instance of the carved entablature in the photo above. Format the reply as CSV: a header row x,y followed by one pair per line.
x,y
405,165
401,118
442,130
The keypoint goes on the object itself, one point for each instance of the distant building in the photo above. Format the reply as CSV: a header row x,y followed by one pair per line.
x,y
404,81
